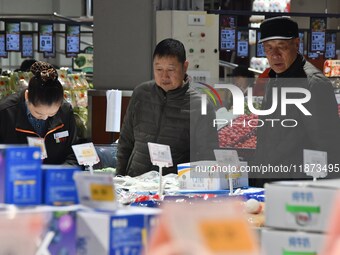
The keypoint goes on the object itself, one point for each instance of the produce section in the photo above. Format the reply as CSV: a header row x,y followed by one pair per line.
x,y
104,212
240,133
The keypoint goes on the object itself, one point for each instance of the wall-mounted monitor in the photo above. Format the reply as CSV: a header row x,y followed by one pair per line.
x,y
3,52
12,31
242,48
330,45
302,42
227,32
259,46
72,40
45,37
53,53
318,34
27,48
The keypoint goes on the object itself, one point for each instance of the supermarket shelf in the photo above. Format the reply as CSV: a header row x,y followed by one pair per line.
x,y
47,18
271,14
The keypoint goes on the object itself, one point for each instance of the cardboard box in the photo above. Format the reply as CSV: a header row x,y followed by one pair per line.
x,y
20,175
58,185
38,230
276,242
62,223
124,231
206,175
300,205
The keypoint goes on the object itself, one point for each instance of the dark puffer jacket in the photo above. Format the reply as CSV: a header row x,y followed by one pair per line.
x,y
173,118
15,128
279,145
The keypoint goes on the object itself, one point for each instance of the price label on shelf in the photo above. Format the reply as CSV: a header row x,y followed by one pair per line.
x,y
227,158
226,235
101,192
315,163
96,190
86,154
160,154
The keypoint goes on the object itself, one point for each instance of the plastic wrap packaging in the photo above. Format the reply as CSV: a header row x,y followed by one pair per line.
x,y
63,78
68,96
107,154
80,97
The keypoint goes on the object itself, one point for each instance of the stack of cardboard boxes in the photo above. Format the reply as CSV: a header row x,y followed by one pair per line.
x,y
298,216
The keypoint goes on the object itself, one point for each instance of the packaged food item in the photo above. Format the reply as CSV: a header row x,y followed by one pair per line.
x,y
80,97
68,95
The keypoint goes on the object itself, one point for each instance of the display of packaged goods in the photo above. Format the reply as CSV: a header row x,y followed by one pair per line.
x,y
80,97
275,241
300,205
331,68
63,78
207,175
115,232
78,80
59,187
38,230
68,96
20,175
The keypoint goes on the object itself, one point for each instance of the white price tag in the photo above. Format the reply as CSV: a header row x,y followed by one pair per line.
x,y
96,190
315,163
227,158
160,154
38,142
86,154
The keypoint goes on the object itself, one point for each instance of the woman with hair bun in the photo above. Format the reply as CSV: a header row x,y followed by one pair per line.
x,y
41,113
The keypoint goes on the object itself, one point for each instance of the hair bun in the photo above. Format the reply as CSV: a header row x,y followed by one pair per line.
x,y
44,70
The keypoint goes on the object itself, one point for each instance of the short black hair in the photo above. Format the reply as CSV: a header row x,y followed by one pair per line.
x,y
45,92
26,65
170,48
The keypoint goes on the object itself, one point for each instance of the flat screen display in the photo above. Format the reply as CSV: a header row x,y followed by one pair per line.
x,y
12,36
72,39
302,41
243,43
27,49
3,52
330,45
259,46
45,38
318,34
227,32
53,53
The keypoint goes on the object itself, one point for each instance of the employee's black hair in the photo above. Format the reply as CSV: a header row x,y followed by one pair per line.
x,y
26,65
170,48
44,88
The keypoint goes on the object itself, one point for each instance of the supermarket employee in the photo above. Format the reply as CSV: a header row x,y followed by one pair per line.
x,y
41,115
282,143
